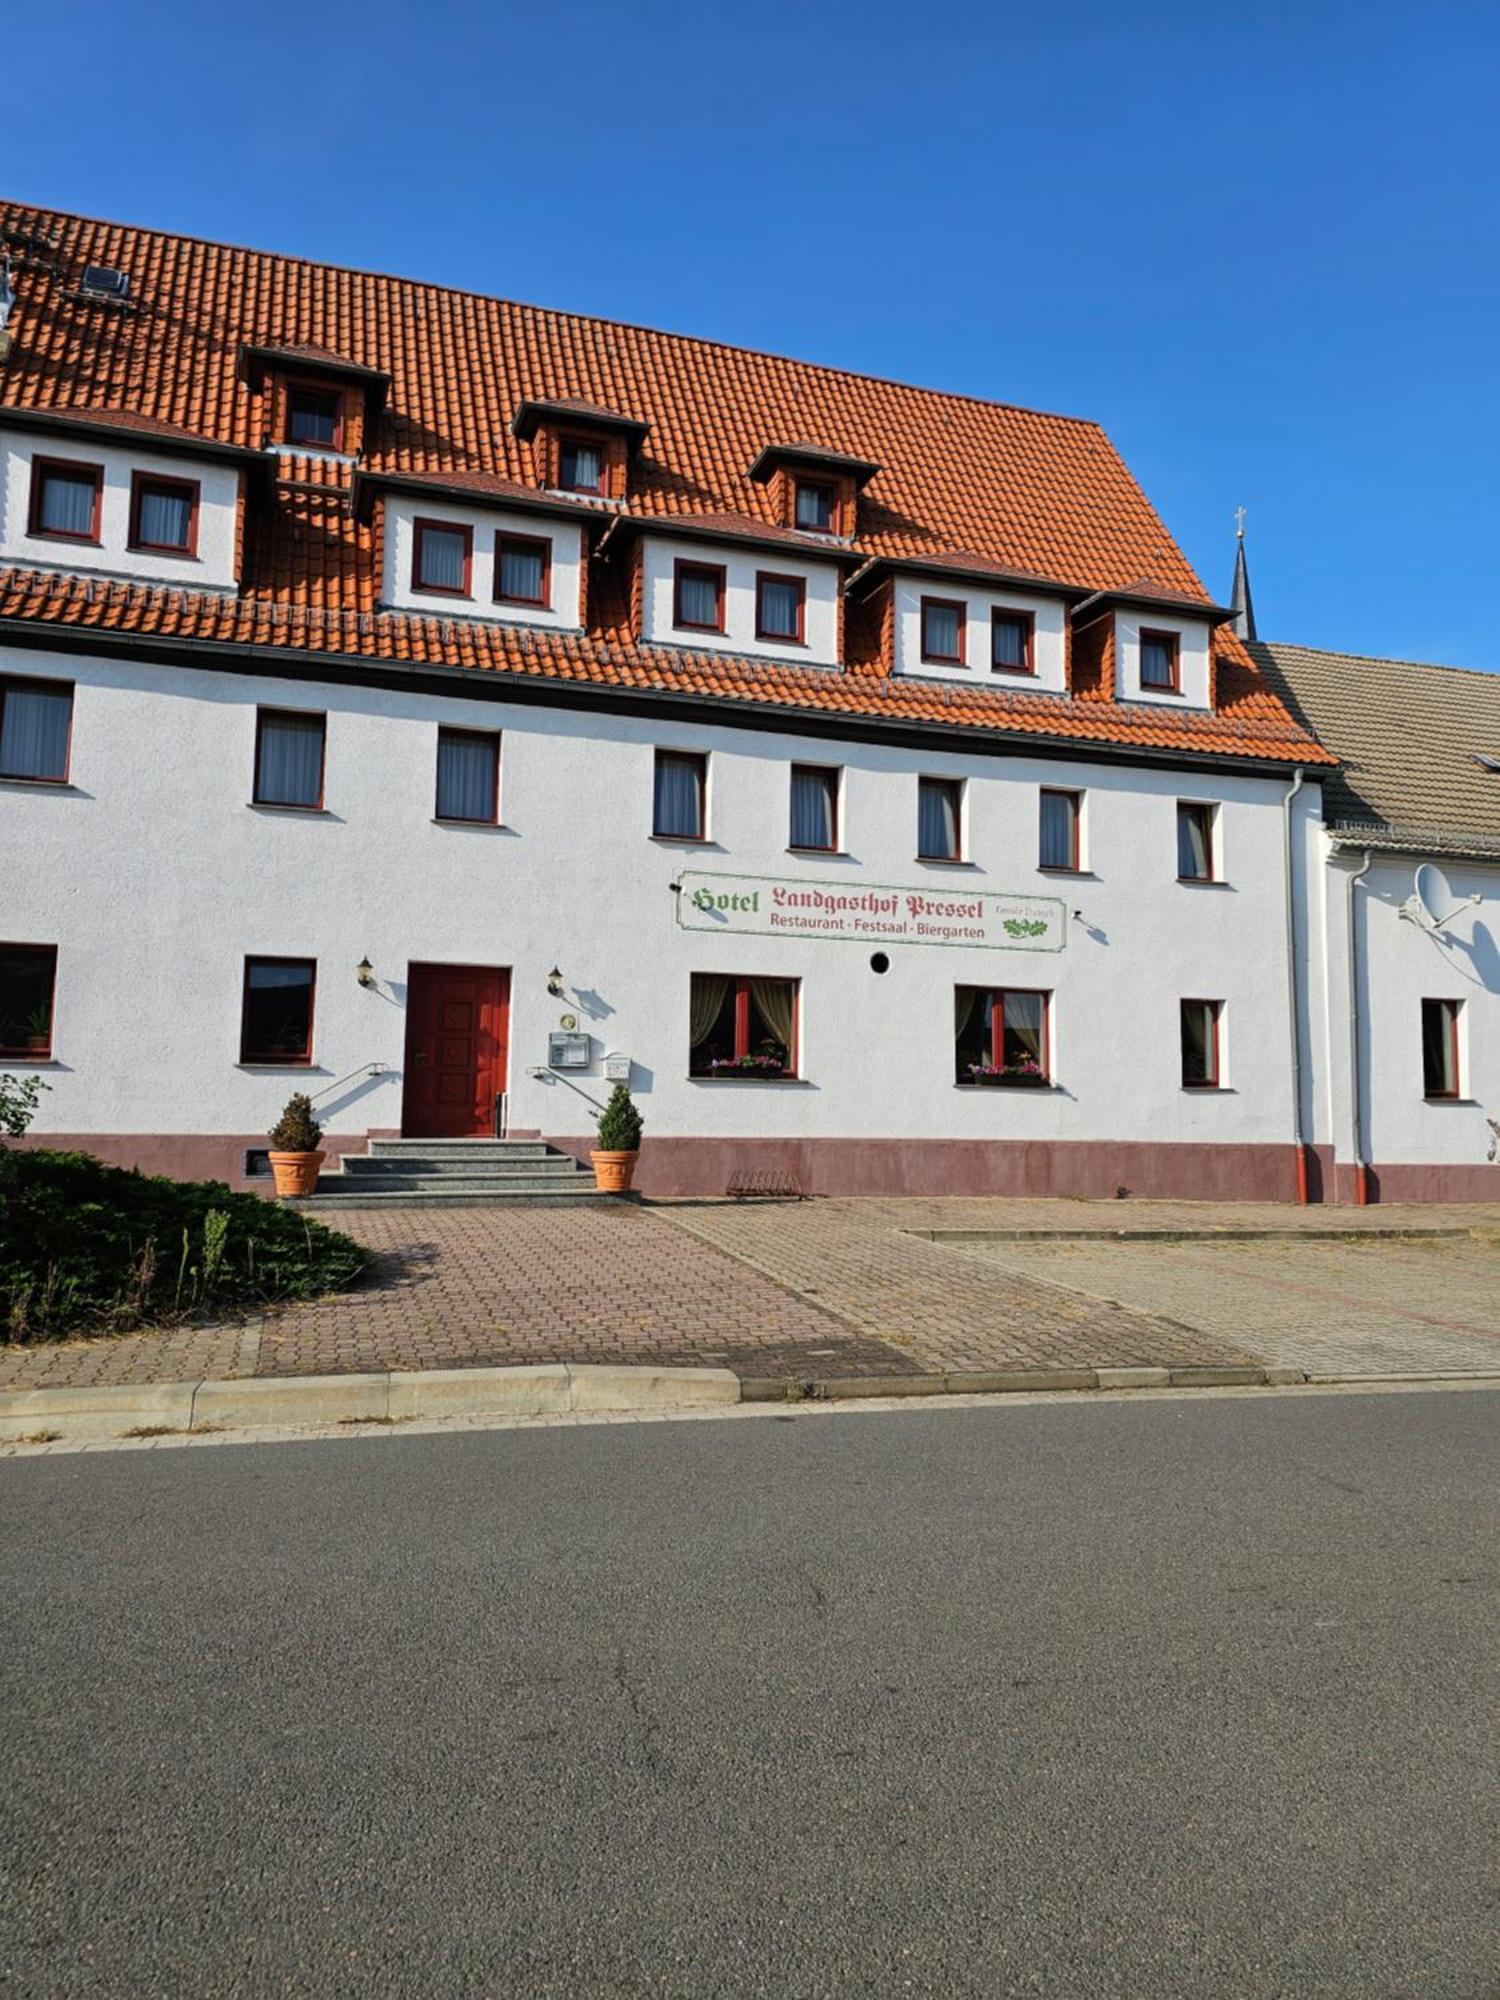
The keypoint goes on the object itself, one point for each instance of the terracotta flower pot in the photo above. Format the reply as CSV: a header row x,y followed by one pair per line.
x,y
613,1172
295,1173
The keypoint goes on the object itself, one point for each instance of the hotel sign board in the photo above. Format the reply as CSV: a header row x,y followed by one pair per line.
x,y
870,913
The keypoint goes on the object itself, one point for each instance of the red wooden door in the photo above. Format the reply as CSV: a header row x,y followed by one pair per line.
x,y
457,1027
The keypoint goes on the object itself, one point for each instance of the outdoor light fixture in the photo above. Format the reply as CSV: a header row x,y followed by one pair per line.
x,y
555,983
364,972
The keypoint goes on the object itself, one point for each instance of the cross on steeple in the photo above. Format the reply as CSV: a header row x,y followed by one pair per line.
x,y
1239,522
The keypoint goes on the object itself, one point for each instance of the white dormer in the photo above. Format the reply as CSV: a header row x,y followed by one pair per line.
x,y
724,595
98,498
514,565
1161,657
954,626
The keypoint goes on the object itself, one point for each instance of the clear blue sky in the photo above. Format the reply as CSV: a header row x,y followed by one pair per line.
x,y
1257,243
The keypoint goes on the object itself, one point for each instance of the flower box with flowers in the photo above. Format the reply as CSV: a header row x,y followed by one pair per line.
x,y
750,1065
1025,1072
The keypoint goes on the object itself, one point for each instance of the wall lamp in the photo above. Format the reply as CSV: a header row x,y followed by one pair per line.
x,y
364,972
555,984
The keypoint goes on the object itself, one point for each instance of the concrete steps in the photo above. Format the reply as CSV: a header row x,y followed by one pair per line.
x,y
456,1173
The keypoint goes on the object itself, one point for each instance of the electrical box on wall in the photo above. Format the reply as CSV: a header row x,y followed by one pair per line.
x,y
568,1051
616,1068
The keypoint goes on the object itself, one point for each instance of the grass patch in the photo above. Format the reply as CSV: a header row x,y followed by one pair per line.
x,y
374,1420
90,1249
40,1437
154,1431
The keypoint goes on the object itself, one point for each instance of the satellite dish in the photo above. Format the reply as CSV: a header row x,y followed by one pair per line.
x,y
1432,904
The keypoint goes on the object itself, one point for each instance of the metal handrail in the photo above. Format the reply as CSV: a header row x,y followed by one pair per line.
x,y
365,1069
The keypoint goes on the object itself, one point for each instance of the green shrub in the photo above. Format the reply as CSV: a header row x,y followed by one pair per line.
x,y
87,1249
620,1123
296,1130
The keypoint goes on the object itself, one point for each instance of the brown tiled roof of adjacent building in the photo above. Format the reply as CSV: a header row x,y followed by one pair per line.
x,y
1027,492
1410,738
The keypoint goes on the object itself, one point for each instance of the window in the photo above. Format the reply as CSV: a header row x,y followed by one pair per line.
x,y
1440,1069
164,514
581,466
780,608
28,977
814,506
943,620
681,781
315,417
289,758
276,1020
36,725
742,1027
698,597
65,499
1159,662
1011,634
815,808
1061,822
1002,1036
440,557
523,570
939,819
1195,842
468,775
1200,1044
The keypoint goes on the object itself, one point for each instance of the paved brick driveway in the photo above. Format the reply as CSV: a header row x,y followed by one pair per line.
x,y
846,1287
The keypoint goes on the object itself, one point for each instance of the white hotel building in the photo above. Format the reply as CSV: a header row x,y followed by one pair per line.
x,y
445,707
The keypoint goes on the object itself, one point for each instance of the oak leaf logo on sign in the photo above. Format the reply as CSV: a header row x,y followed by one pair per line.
x,y
1019,927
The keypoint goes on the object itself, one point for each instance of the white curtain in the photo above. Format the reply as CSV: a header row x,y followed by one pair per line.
x,y
697,598
442,559
939,632
1057,830
937,820
776,1000
1024,1017
812,808
165,517
1194,861
779,606
67,503
522,573
290,768
582,466
678,797
34,725
708,995
466,775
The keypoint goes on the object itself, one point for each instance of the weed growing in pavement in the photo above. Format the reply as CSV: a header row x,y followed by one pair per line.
x,y
40,1437
154,1431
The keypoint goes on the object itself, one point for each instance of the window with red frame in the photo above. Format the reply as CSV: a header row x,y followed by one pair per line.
x,y
468,776
742,1027
1011,634
523,570
1160,667
1195,841
289,756
943,621
28,982
940,819
1061,825
1001,1035
580,466
1440,1048
814,506
276,1020
36,728
164,514
1201,1036
698,597
315,418
66,498
441,558
780,608
815,808
679,796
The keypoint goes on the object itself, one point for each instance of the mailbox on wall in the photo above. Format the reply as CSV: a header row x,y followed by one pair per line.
x,y
568,1051
616,1068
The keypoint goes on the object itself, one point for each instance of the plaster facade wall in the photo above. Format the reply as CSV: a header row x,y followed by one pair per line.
x,y
660,555
484,523
1049,649
155,878
211,567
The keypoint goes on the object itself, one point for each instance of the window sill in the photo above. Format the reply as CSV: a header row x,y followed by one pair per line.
x,y
1078,874
177,555
66,541
944,861
748,1076
23,784
297,812
303,1066
1208,1090
448,596
822,853
1202,882
1428,1098
1014,1083
31,1061
685,840
472,825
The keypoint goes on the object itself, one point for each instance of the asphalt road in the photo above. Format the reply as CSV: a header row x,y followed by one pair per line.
x,y
1191,1697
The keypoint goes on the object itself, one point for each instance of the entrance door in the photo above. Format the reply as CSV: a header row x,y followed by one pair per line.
x,y
457,1027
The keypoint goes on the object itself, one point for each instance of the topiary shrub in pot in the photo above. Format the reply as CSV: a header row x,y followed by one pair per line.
x,y
619,1142
295,1158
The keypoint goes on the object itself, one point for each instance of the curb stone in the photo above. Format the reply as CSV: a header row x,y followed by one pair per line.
x,y
1021,1381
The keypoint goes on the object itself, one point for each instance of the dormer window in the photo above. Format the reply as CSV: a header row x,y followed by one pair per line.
x,y
698,597
314,417
441,558
1011,635
815,505
580,466
780,608
1160,662
65,499
943,631
522,566
164,515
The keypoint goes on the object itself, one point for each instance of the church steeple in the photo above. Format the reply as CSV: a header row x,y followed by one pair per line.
x,y
1240,600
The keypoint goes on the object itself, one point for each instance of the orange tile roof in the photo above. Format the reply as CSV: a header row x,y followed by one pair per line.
x,y
1024,491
